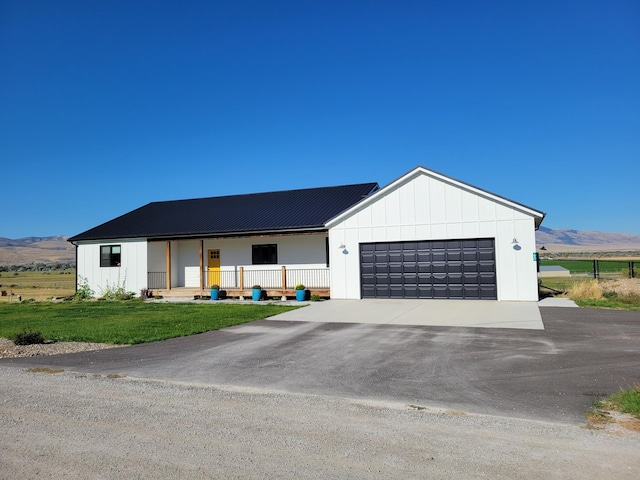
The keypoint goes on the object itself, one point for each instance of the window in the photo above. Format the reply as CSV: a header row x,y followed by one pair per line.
x,y
264,254
110,256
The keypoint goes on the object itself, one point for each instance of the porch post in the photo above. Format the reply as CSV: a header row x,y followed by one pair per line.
x,y
284,277
168,261
241,278
201,265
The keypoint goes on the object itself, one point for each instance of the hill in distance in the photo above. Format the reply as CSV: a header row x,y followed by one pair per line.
x,y
30,250
564,240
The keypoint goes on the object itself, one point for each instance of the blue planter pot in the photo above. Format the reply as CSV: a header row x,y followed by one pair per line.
x,y
214,293
256,293
300,295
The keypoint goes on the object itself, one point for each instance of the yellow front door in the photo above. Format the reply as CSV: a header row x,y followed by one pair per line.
x,y
213,270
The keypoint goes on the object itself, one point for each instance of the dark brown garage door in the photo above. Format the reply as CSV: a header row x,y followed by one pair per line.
x,y
456,269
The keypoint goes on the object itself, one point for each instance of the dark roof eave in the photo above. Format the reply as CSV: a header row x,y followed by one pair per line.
x,y
169,236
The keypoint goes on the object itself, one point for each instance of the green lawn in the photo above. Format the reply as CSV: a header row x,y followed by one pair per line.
x,y
125,322
586,266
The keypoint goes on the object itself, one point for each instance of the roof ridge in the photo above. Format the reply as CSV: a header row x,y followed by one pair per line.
x,y
373,185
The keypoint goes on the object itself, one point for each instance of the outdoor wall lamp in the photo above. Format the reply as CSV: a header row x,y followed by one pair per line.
x,y
515,242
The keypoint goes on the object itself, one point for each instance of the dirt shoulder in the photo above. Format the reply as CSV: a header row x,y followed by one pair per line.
x,y
8,349
83,426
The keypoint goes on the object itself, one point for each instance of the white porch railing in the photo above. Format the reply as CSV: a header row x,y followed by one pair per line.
x,y
282,279
241,278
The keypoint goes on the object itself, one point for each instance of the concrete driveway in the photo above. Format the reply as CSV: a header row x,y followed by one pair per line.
x,y
448,313
553,374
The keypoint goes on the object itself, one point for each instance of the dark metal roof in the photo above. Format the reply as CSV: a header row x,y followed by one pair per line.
x,y
289,210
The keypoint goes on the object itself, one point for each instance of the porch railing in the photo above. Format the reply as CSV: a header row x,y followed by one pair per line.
x,y
157,280
280,279
241,278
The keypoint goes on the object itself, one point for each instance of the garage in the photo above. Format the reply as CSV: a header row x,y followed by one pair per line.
x,y
429,236
447,269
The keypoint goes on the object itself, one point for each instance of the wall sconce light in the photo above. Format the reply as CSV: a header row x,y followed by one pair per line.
x,y
341,247
515,242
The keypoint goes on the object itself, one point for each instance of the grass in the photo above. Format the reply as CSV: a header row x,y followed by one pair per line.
x,y
619,303
586,266
125,322
37,285
591,293
625,401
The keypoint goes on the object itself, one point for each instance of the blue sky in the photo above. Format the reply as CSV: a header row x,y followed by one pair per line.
x,y
107,106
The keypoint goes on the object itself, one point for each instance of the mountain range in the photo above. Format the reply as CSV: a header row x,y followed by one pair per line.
x,y
28,250
566,241
56,249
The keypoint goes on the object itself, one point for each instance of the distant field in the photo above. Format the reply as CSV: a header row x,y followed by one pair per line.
x,y
37,285
586,266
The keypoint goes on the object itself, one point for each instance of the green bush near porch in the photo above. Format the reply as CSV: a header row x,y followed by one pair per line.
x,y
125,322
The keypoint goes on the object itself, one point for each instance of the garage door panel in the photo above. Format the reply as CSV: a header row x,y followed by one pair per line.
x,y
440,291
439,279
439,267
488,268
409,268
455,292
439,257
454,268
395,268
410,278
486,256
460,269
424,257
455,279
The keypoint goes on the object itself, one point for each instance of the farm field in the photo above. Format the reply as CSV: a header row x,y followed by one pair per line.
x,y
37,285
619,268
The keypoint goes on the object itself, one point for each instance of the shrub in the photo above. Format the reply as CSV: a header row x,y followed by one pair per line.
x,y
590,290
300,286
315,298
27,337
83,291
117,291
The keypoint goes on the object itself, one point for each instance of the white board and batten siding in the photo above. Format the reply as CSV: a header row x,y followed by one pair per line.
x,y
132,273
424,206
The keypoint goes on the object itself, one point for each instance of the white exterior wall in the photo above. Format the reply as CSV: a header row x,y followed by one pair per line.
x,y
294,252
428,208
300,251
139,257
132,272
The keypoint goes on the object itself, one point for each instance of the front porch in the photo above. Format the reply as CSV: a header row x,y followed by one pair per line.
x,y
239,281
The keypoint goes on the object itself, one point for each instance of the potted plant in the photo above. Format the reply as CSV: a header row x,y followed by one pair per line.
x,y
215,292
301,292
256,293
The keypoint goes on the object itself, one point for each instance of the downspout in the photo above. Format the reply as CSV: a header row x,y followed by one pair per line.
x,y
76,245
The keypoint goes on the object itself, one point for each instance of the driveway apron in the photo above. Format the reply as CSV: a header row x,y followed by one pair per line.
x,y
438,313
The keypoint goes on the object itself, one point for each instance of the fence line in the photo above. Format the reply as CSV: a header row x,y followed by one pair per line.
x,y
597,268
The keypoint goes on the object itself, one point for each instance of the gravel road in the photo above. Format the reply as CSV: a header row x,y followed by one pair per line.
x,y
70,426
